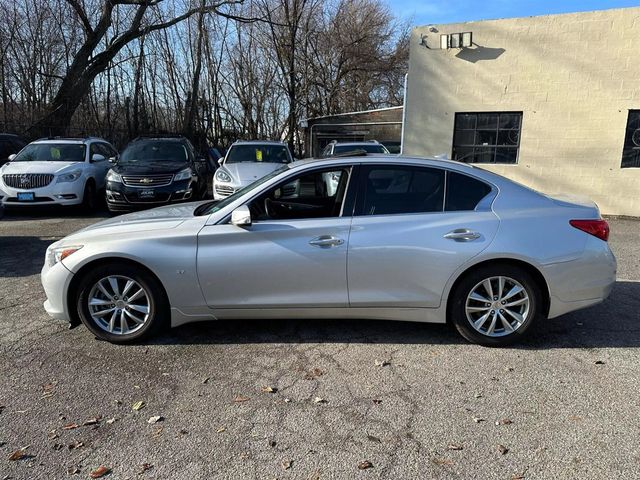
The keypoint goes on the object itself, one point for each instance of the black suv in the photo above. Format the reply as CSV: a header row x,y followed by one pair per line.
x,y
154,171
9,144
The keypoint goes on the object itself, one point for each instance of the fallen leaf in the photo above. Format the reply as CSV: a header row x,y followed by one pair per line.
x,y
70,426
599,362
205,380
272,443
73,470
518,476
478,395
58,446
241,398
454,446
319,400
382,363
266,389
575,418
286,464
75,445
502,449
138,405
155,419
99,472
144,468
19,454
91,421
183,431
508,369
373,438
376,401
158,431
313,374
365,464
221,429
478,419
442,461
111,420
504,421
287,400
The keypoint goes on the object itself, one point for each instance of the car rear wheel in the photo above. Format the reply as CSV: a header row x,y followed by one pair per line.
x,y
495,305
89,197
122,303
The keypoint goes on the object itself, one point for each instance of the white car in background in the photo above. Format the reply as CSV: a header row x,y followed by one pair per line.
x,y
56,171
246,162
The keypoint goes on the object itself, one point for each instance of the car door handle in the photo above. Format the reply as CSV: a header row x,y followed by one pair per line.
x,y
462,235
326,241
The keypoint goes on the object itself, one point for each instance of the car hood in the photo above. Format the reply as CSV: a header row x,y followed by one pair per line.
x,y
249,172
148,168
36,167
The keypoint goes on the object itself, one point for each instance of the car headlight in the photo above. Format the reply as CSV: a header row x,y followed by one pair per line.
x,y
185,174
223,176
69,177
113,177
57,254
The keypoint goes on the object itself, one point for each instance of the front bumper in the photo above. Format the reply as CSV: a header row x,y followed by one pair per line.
x,y
65,193
121,197
55,281
223,190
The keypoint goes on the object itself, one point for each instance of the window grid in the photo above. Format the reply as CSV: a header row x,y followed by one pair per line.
x,y
487,137
631,149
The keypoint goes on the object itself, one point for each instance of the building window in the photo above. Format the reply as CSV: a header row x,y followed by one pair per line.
x,y
487,137
631,152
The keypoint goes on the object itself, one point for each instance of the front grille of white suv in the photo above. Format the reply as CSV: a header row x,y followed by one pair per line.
x,y
27,180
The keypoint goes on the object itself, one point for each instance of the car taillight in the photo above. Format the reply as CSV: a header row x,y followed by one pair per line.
x,y
598,228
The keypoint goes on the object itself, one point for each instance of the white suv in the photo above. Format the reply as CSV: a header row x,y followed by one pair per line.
x,y
57,171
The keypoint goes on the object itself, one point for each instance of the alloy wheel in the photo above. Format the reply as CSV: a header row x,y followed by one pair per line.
x,y
497,306
119,305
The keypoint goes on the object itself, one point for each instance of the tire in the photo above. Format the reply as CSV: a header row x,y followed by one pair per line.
x,y
138,323
89,197
518,310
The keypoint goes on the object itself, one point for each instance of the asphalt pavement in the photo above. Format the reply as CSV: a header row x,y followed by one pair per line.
x,y
314,399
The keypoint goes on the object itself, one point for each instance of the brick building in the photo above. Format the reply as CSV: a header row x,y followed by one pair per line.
x,y
383,124
550,101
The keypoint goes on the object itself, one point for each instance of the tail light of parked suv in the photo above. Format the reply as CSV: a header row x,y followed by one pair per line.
x,y
598,228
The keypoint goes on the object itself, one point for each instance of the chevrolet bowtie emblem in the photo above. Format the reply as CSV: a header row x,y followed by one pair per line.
x,y
146,180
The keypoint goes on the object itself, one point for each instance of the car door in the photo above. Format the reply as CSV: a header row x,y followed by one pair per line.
x,y
407,239
100,167
294,254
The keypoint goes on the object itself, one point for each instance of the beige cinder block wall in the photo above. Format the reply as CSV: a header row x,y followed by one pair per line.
x,y
574,77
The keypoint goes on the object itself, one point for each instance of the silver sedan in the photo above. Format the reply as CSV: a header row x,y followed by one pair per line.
x,y
395,238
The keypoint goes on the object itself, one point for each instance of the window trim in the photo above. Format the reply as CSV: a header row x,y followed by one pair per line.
x,y
496,147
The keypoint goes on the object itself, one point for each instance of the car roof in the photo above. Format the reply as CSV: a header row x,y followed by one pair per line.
x,y
258,142
71,141
365,142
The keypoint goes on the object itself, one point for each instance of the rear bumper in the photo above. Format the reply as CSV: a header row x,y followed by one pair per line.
x,y
583,282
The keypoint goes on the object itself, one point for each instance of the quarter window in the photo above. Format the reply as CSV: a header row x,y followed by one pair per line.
x,y
399,189
631,151
464,192
491,137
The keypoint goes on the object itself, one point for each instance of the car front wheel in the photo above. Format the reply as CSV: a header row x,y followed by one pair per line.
x,y
495,305
122,303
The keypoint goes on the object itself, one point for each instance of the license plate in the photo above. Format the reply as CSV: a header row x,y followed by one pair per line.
x,y
147,193
26,196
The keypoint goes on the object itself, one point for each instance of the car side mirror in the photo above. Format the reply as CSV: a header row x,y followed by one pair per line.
x,y
96,157
220,161
112,159
11,157
241,216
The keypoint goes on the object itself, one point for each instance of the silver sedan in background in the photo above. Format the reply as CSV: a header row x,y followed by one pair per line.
x,y
398,238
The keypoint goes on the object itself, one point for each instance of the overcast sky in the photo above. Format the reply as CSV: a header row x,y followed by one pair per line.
x,y
424,12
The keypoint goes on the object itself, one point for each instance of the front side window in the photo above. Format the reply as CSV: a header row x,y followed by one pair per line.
x,y
388,190
631,151
145,151
318,194
52,152
491,137
258,153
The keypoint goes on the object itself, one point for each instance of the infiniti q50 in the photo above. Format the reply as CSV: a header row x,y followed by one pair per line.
x,y
383,237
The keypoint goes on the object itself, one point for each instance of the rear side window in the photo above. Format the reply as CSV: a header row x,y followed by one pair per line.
x,y
464,192
400,189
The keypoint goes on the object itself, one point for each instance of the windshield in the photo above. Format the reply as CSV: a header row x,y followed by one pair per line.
x,y
367,147
51,152
154,151
212,207
258,153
